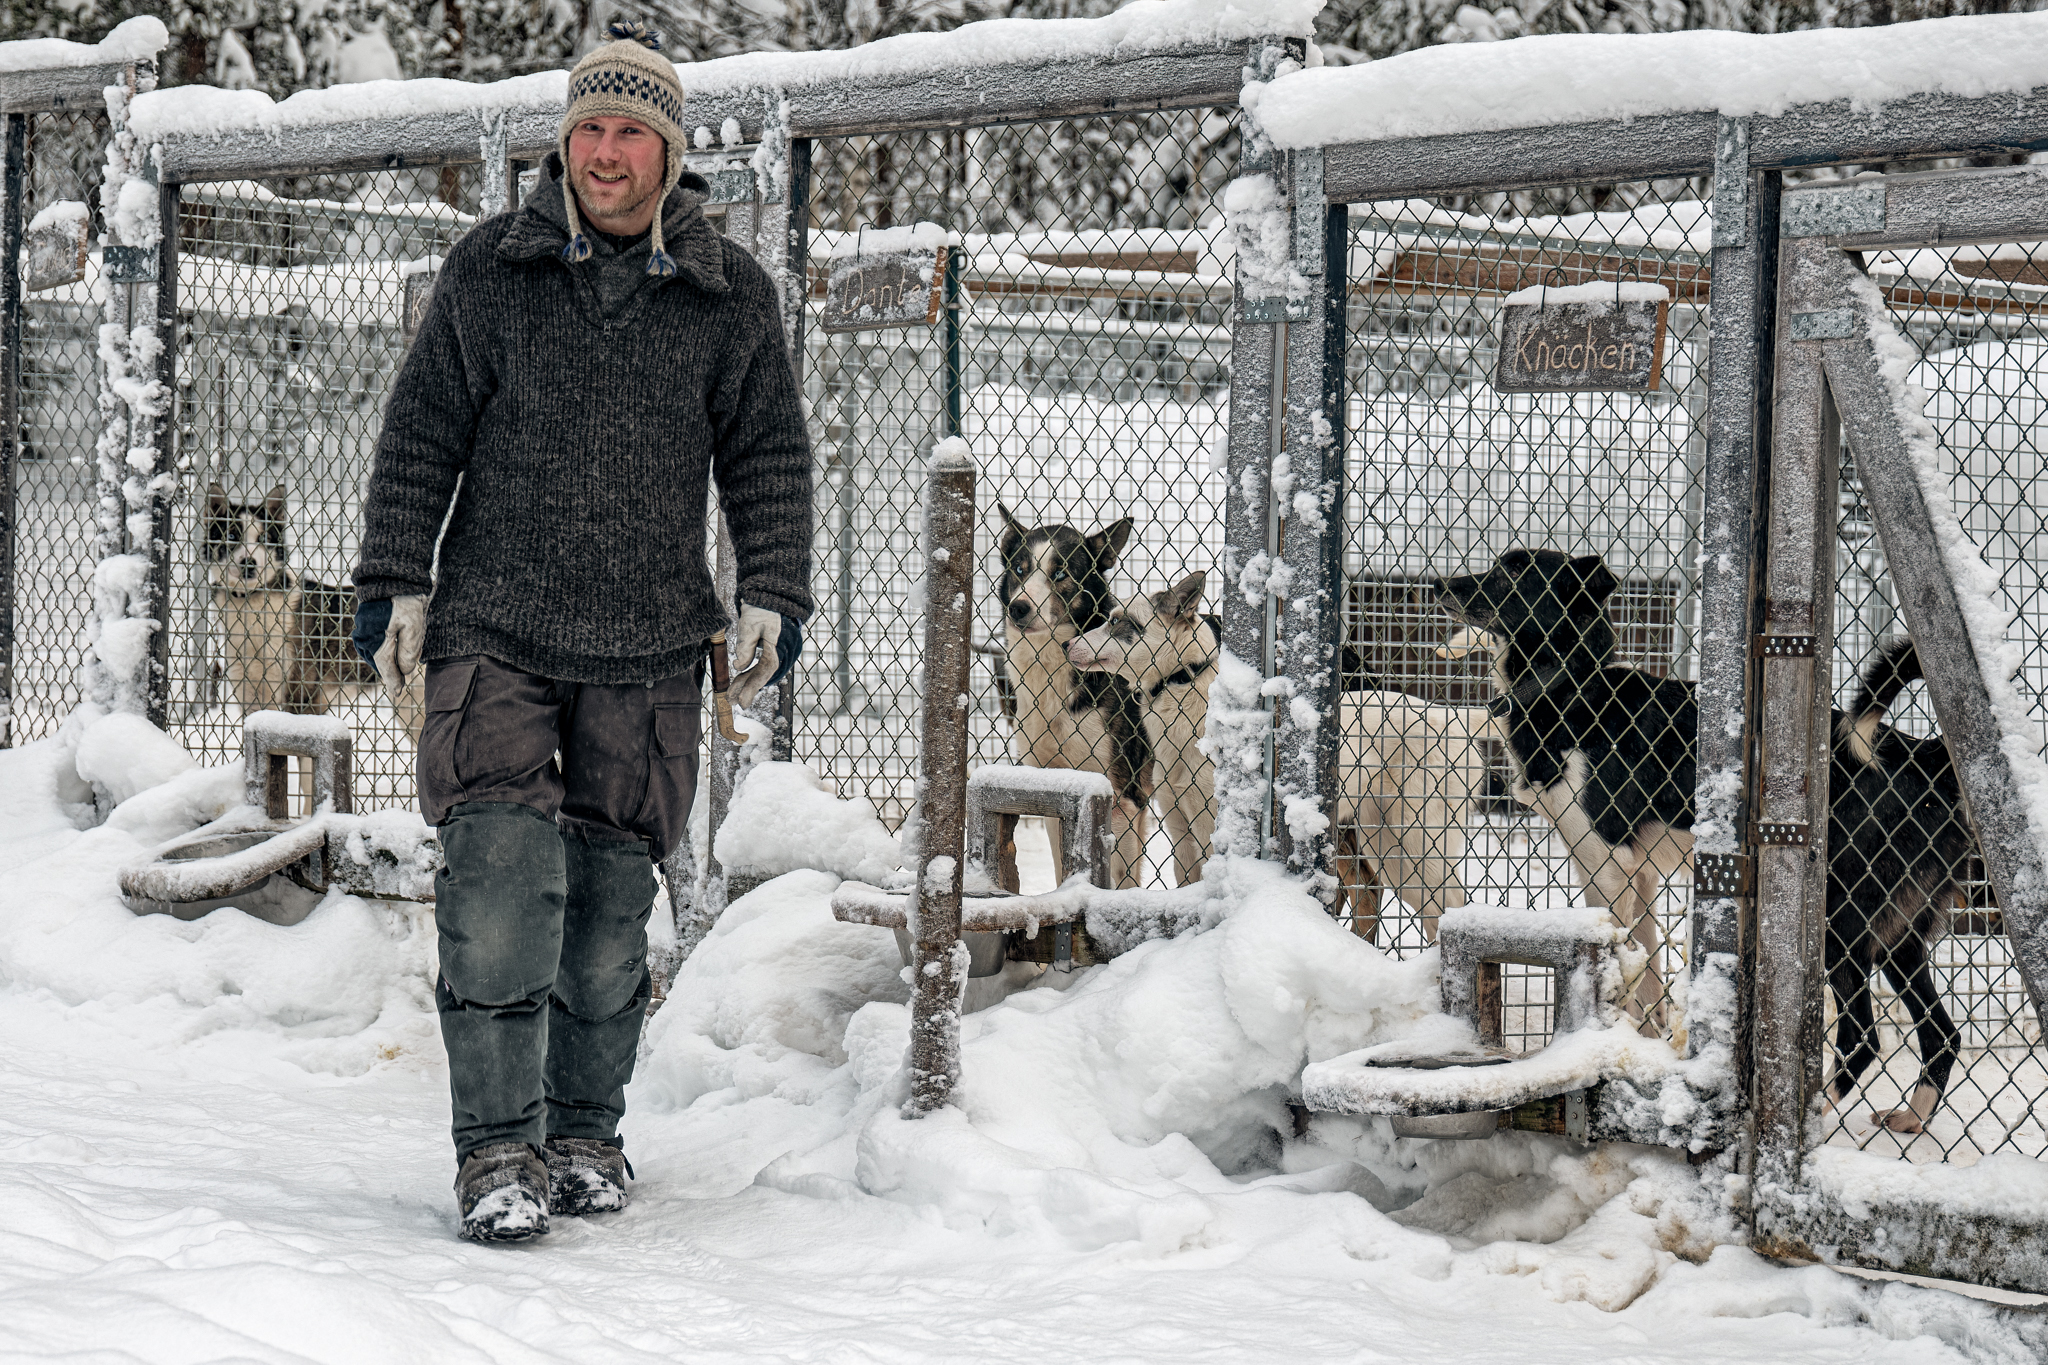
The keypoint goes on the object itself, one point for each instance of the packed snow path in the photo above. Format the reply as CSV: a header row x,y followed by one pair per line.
x,y
224,1140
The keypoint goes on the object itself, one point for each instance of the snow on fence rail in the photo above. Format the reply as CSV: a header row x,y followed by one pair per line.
x,y
1250,304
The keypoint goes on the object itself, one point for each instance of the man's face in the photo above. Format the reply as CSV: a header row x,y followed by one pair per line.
x,y
615,167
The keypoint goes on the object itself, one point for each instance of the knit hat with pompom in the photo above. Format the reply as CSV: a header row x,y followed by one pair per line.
x,y
626,78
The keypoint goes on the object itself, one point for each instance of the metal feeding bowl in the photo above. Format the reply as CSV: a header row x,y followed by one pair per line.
x,y
273,897
1465,1127
984,951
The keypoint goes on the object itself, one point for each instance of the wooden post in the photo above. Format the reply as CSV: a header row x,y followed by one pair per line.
x,y
939,960
1792,802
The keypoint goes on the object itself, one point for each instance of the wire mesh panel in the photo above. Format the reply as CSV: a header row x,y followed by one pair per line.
x,y
1936,1049
1085,353
54,481
1449,475
291,299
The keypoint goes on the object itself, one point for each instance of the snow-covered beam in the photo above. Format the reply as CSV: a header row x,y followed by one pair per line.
x,y
1923,209
1664,145
1022,92
70,87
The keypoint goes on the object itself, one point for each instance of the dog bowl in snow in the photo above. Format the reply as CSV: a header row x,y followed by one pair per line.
x,y
1465,1127
271,896
984,951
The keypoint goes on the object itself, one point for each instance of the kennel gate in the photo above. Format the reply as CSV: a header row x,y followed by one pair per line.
x,y
1756,502
55,137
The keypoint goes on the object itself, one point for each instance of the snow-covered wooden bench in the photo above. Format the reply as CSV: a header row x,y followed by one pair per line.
x,y
1465,1089
1087,920
259,860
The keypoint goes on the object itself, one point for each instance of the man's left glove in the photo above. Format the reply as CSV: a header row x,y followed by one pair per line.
x,y
772,642
389,634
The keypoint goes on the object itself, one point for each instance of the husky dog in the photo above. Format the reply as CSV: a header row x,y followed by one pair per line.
x,y
1167,651
287,635
1409,768
1055,586
1898,839
1606,753
1609,755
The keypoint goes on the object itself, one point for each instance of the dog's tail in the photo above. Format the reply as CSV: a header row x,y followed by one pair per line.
x,y
1884,677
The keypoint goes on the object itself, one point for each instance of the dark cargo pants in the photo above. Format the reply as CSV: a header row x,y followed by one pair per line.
x,y
553,800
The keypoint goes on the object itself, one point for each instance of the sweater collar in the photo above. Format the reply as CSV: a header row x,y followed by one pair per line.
x,y
540,228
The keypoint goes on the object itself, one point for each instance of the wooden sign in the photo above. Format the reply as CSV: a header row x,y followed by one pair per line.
x,y
1581,346
892,278
55,246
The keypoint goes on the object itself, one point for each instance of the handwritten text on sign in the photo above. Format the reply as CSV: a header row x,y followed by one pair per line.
x,y
1580,346
884,289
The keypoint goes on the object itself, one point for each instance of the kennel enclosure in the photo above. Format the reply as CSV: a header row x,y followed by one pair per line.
x,y
1165,300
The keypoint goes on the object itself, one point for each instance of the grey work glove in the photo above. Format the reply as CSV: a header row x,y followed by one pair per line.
x,y
397,657
754,642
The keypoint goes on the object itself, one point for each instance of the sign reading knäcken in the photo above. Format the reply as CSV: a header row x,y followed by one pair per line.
x,y
1570,342
891,277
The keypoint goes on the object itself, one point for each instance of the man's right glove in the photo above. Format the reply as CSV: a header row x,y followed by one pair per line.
x,y
389,634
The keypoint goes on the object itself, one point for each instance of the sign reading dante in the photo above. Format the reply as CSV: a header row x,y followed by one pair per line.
x,y
1582,337
885,277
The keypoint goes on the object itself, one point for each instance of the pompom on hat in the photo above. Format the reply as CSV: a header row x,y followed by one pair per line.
x,y
626,78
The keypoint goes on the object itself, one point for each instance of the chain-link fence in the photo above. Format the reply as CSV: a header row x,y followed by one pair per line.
x,y
1446,474
60,422
1917,953
1083,353
291,313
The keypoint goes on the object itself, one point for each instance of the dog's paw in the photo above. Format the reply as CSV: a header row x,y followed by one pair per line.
x,y
1898,1120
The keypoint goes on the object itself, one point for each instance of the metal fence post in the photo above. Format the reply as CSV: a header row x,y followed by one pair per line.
x,y
1240,714
1741,316
12,223
939,960
163,483
795,293
1307,488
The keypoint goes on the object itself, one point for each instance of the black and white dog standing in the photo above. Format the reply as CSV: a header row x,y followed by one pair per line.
x,y
1608,754
1055,586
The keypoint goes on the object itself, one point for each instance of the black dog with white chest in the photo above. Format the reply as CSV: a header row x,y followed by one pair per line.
x,y
1609,754
1606,752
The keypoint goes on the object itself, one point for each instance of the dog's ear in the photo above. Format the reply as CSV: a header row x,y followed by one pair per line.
x,y
1013,530
273,503
1178,602
1108,543
216,500
1592,571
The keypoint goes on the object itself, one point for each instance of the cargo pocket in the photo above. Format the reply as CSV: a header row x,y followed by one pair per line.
x,y
448,690
671,773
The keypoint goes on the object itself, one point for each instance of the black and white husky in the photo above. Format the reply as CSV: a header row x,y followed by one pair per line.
x,y
286,634
1055,585
1608,753
1167,650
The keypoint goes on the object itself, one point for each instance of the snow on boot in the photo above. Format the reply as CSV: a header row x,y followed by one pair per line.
x,y
503,1191
586,1176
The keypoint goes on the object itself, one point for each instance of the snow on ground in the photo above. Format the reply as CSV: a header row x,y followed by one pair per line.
x,y
226,1140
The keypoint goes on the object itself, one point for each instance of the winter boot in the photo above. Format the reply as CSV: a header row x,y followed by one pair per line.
x,y
586,1176
503,1191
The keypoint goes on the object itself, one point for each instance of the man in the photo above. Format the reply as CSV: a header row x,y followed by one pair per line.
x,y
577,386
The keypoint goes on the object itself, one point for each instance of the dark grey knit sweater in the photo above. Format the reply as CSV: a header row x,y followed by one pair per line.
x,y
576,548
